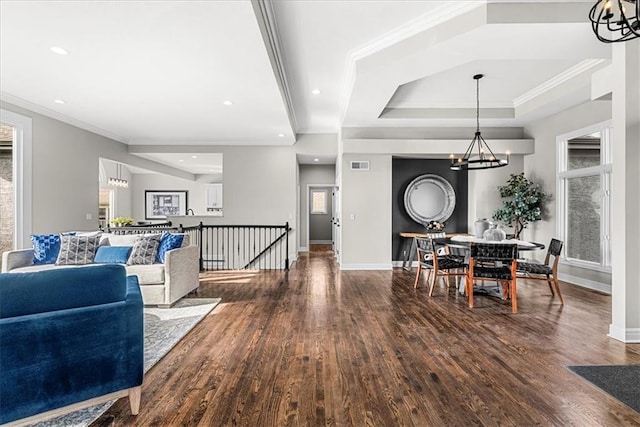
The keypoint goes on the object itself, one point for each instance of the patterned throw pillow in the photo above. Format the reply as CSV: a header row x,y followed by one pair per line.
x,y
168,242
145,250
46,247
77,250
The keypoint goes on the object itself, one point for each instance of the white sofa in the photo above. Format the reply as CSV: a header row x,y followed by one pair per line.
x,y
161,284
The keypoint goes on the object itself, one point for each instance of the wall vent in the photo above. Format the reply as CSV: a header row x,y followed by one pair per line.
x,y
360,165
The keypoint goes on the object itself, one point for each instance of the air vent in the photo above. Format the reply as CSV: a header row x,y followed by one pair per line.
x,y
360,165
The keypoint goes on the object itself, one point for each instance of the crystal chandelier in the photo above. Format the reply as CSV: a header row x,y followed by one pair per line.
x,y
485,158
612,22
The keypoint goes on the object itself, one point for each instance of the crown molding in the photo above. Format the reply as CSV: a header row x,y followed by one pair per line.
x,y
266,17
557,80
425,22
6,97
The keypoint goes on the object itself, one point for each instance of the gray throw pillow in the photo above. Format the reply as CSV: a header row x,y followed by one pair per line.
x,y
145,250
77,250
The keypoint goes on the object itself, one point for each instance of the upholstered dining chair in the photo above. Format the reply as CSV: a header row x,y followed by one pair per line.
x,y
437,262
547,271
493,261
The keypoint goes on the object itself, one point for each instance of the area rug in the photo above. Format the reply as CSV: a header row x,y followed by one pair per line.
x,y
163,329
620,381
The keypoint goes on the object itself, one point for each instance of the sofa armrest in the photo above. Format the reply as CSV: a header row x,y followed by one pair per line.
x,y
181,269
54,359
16,259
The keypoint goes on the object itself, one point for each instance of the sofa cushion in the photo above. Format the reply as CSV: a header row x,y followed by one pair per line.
x,y
145,250
77,250
147,274
60,289
109,239
168,242
112,254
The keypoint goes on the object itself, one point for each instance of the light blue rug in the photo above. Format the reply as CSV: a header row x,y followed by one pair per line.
x,y
163,329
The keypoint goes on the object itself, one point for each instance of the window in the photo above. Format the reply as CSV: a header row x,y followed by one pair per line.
x,y
318,202
584,196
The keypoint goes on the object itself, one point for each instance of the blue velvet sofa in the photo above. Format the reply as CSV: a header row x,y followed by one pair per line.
x,y
69,338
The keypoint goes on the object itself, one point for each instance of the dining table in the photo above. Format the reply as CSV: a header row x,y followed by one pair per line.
x,y
464,241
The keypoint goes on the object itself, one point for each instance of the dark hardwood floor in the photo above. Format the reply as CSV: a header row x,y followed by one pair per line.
x,y
316,346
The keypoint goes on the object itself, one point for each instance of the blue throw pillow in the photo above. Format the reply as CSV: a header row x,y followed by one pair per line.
x,y
46,247
168,242
112,255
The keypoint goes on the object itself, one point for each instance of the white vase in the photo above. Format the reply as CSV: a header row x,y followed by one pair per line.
x,y
480,226
494,234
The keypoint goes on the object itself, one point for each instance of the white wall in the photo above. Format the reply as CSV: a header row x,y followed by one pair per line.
x,y
366,213
65,162
541,167
484,197
311,174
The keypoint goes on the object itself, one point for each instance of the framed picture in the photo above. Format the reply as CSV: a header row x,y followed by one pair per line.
x,y
159,204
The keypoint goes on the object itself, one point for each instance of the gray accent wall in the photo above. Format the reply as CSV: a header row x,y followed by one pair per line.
x,y
406,170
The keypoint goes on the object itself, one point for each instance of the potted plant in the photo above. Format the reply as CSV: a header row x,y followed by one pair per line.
x,y
524,203
122,221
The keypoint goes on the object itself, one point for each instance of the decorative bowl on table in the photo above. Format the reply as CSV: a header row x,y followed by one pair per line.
x,y
434,226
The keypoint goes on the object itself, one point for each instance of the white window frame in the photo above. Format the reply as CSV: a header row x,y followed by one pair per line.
x,y
604,170
319,212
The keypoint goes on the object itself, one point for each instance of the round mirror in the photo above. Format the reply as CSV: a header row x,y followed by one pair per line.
x,y
429,198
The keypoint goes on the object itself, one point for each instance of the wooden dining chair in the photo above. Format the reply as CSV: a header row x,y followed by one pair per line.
x,y
437,263
547,271
493,261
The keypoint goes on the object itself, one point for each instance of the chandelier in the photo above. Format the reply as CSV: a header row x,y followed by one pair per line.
x,y
118,182
612,22
485,158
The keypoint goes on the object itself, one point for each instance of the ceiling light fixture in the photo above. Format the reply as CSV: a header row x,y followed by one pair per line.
x,y
611,22
228,103
118,182
316,160
58,101
281,135
485,158
316,91
194,157
59,50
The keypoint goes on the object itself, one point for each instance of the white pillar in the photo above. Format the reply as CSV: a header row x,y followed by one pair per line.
x,y
625,233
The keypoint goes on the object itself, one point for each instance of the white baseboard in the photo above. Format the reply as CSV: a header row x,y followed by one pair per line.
x,y
626,335
586,283
366,266
320,242
303,249
399,263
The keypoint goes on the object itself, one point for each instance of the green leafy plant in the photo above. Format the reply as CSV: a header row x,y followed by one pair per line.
x,y
525,202
122,221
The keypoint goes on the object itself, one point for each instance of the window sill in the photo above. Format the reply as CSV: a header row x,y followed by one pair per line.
x,y
585,265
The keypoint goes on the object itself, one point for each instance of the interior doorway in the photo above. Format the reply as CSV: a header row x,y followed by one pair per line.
x,y
320,227
7,190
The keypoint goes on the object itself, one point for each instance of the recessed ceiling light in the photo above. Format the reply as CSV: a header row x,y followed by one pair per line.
x,y
227,102
316,160
281,135
316,91
194,157
58,101
59,50
181,160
